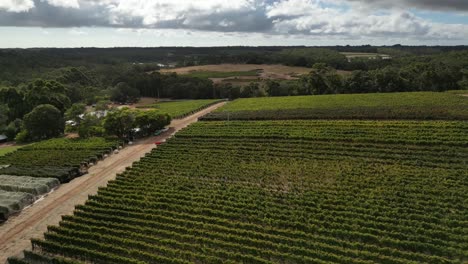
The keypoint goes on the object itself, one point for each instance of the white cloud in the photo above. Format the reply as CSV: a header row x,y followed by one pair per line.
x,y
345,19
64,3
293,8
77,32
308,17
16,5
153,12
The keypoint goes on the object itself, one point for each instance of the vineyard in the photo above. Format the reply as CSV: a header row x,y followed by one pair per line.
x,y
181,109
308,191
36,169
59,158
414,105
6,150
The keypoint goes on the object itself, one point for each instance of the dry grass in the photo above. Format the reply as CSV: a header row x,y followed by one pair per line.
x,y
267,68
363,55
266,71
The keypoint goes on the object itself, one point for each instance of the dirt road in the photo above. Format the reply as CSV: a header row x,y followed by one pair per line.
x,y
15,234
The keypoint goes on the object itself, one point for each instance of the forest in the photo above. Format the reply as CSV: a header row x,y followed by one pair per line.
x,y
70,79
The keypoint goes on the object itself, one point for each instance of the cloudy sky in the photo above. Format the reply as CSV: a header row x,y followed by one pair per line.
x,y
109,23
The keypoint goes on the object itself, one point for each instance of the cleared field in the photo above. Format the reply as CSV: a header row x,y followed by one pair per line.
x,y
61,158
415,105
181,109
6,150
226,72
351,55
267,68
217,74
280,192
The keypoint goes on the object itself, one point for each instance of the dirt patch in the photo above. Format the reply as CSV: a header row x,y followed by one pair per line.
x,y
266,71
266,68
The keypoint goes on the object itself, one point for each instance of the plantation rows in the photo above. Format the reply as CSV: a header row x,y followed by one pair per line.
x,y
453,133
357,112
63,159
181,109
413,105
279,192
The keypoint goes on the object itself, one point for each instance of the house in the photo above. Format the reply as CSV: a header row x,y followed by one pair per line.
x,y
3,138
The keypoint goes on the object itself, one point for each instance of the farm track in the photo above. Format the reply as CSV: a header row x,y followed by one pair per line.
x,y
15,234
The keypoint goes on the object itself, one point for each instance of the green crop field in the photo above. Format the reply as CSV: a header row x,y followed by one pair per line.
x,y
58,158
36,169
309,191
6,150
220,74
180,109
414,105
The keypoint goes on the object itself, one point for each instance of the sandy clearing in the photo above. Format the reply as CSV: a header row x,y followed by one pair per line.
x,y
266,71
267,68
15,234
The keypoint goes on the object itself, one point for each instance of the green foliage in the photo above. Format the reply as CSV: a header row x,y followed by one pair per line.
x,y
102,105
307,57
416,105
150,121
91,126
13,128
75,111
22,136
321,80
44,121
359,82
464,82
123,122
120,122
6,150
3,117
47,92
253,89
59,158
180,109
124,93
14,99
281,192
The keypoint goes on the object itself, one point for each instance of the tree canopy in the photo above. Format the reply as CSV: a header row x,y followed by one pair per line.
x,y
44,121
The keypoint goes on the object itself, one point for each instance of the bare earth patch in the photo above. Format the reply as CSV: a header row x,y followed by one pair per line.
x,y
266,71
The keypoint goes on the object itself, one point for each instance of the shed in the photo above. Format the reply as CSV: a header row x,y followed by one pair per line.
x,y
3,138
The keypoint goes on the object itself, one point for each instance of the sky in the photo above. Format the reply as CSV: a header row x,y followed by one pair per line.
x,y
153,23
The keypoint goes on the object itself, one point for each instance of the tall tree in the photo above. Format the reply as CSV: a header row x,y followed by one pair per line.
x,y
124,93
120,122
47,92
44,121
3,117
